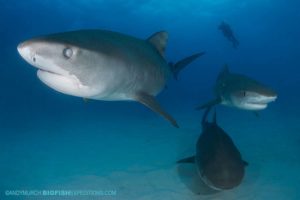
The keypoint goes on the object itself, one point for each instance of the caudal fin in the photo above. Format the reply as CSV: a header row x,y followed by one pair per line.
x,y
177,67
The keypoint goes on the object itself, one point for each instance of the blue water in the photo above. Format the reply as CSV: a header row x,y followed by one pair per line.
x,y
49,140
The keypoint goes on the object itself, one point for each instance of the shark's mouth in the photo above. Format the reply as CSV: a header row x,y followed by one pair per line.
x,y
258,103
253,102
64,83
50,72
255,105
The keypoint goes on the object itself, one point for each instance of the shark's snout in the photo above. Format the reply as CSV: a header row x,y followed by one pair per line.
x,y
265,92
253,100
20,47
25,51
54,63
267,99
32,52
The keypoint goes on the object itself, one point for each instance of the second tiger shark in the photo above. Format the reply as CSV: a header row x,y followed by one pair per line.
x,y
240,91
104,65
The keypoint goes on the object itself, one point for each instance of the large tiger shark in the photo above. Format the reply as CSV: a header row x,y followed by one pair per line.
x,y
240,91
104,65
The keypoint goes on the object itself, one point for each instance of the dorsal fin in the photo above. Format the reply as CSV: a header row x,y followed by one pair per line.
x,y
225,71
204,118
159,41
215,117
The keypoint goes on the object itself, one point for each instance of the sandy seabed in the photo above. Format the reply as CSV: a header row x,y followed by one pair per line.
x,y
137,157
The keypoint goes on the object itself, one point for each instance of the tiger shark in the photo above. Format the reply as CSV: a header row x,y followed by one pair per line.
x,y
104,65
240,91
218,161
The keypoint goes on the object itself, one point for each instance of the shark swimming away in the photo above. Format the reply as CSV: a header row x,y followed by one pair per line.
x,y
240,91
104,65
218,161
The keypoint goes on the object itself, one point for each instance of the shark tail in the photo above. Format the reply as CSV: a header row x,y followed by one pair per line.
x,y
177,67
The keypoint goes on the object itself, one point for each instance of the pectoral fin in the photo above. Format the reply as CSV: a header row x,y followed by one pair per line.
x,y
209,104
150,102
187,160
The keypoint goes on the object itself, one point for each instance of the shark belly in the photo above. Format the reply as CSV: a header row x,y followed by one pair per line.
x,y
131,83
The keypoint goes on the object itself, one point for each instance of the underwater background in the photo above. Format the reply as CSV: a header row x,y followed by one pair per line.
x,y
52,141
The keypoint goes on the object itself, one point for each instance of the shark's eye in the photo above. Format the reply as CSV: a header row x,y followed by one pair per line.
x,y
33,59
244,93
67,52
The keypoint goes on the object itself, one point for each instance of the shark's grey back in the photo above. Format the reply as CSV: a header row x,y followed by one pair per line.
x,y
218,160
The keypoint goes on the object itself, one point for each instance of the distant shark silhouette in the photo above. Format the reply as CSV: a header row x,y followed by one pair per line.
x,y
104,65
240,91
218,161
228,33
